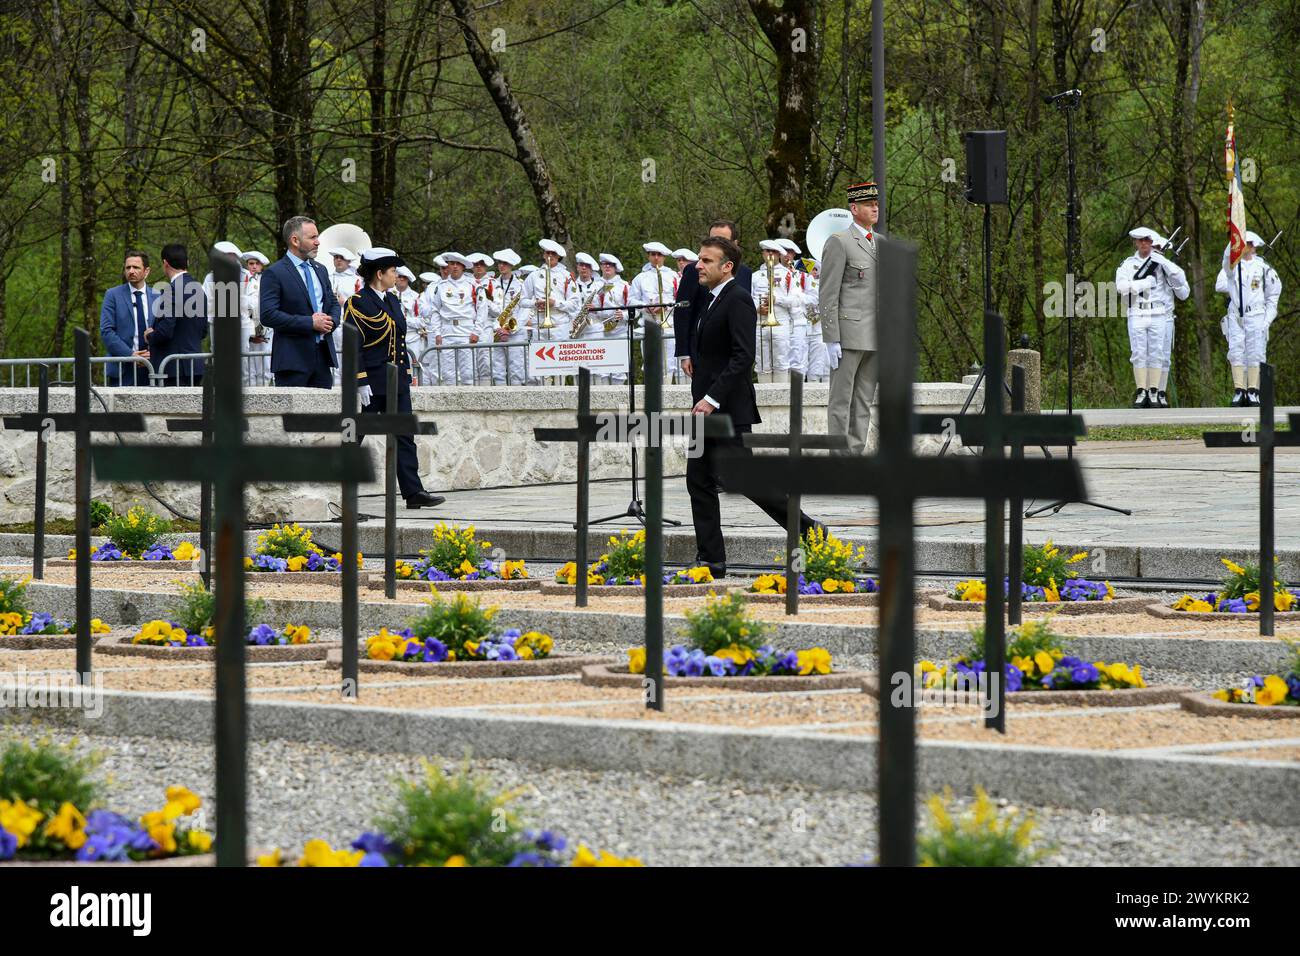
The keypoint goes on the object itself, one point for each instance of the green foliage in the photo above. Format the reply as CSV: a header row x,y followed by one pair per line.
x,y
286,541
982,836
13,596
722,622
453,547
826,557
1046,566
194,606
1242,579
625,559
136,531
453,622
101,512
46,774
1024,641
446,816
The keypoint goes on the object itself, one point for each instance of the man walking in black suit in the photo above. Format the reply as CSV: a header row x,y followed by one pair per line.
x,y
721,366
298,303
690,291
180,320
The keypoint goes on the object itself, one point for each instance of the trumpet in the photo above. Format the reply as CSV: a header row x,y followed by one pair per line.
x,y
769,300
547,323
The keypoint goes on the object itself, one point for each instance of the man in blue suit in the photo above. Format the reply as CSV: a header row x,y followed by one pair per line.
x,y
127,313
180,322
299,305
691,290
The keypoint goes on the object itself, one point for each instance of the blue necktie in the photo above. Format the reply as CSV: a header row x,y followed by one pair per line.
x,y
306,278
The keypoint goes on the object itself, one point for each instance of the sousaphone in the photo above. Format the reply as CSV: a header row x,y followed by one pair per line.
x,y
825,224
343,234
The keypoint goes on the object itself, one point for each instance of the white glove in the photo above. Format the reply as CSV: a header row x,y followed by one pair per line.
x,y
363,395
1141,285
834,352
1160,260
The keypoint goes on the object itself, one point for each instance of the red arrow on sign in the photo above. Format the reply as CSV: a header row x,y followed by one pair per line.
x,y
550,353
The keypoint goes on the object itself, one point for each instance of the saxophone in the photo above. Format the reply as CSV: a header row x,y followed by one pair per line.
x,y
506,320
583,318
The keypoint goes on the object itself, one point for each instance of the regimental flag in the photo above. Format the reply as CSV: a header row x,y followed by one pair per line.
x,y
1236,201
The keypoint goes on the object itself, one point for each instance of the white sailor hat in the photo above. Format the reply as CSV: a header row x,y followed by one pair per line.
x,y
342,251
429,277
381,258
550,245
684,254
456,257
612,260
770,245
789,245
508,256
229,247
658,247
526,270
254,254
482,257
1142,232
440,261
1254,239
583,259
403,271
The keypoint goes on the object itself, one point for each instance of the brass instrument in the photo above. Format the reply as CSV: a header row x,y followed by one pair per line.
x,y
663,313
770,321
506,320
612,323
547,323
583,318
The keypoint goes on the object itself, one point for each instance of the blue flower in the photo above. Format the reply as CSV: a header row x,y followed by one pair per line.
x,y
1014,678
159,552
1293,683
1085,674
266,562
374,842
8,844
787,663
502,652
107,551
527,858
434,650
1232,606
262,634
195,640
373,859
716,665
867,585
40,621
314,562
695,666
546,840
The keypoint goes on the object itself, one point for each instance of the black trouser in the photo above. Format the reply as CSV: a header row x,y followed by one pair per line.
x,y
322,376
701,481
408,464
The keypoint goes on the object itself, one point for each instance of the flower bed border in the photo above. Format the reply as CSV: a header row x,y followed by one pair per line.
x,y
605,675
850,598
1117,697
542,667
1202,704
53,642
1129,604
1167,613
635,590
134,564
121,646
285,577
196,859
375,582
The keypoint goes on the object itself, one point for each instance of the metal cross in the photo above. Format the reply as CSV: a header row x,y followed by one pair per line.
x,y
42,446
584,479
82,422
897,477
1266,438
231,464
794,443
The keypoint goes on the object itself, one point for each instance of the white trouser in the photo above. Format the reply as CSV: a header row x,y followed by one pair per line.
x,y
456,365
1167,346
422,347
799,348
483,361
338,350
257,367
1248,343
1146,337
773,348
620,332
818,361
669,363
511,359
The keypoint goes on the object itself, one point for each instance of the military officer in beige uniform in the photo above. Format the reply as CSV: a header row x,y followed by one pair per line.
x,y
846,300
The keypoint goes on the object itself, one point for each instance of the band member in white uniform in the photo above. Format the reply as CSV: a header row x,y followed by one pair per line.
x,y
507,291
656,285
773,345
459,321
547,290
481,265
345,283
684,258
1246,326
253,336
796,288
1148,283
419,331
588,284
614,292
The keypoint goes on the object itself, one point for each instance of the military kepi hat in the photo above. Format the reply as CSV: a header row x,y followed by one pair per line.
x,y
864,192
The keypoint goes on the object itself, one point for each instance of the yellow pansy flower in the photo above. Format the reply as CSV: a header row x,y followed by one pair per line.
x,y
1046,663
456,860
816,660
1220,695
636,660
1231,566
584,857
68,825
274,858
1273,692
298,633
200,840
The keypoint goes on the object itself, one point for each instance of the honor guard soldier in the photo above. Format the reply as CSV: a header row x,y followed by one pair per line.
x,y
1248,319
254,337
1148,284
614,291
459,321
376,313
656,286
506,316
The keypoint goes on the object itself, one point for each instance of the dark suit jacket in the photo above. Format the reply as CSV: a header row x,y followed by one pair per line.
x,y
372,363
117,324
287,308
690,290
180,325
722,349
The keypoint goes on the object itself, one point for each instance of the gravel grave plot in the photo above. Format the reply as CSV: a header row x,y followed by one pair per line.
x,y
1135,623
141,566
616,675
472,670
1165,612
299,792
1262,753
1124,604
1205,705
529,692
374,581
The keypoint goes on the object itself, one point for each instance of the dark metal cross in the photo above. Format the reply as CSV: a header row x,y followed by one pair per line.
x,y
1266,438
794,442
897,477
82,422
230,464
578,436
42,446
203,425
353,427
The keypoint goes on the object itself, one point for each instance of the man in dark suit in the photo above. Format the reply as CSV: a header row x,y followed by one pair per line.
x,y
180,321
722,361
689,290
298,303
125,316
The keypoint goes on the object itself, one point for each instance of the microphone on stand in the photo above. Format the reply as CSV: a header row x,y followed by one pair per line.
x,y
1071,97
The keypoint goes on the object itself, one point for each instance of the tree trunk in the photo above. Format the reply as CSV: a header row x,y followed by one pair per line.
x,y
86,181
280,98
1036,181
527,151
798,59
132,161
381,187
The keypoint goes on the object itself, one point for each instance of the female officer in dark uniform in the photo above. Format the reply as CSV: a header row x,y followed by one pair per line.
x,y
377,314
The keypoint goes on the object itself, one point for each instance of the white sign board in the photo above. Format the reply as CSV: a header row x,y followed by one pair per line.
x,y
602,356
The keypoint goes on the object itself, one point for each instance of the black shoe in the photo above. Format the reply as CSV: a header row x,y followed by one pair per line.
x,y
1252,397
1141,399
1239,399
717,570
1164,399
422,499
